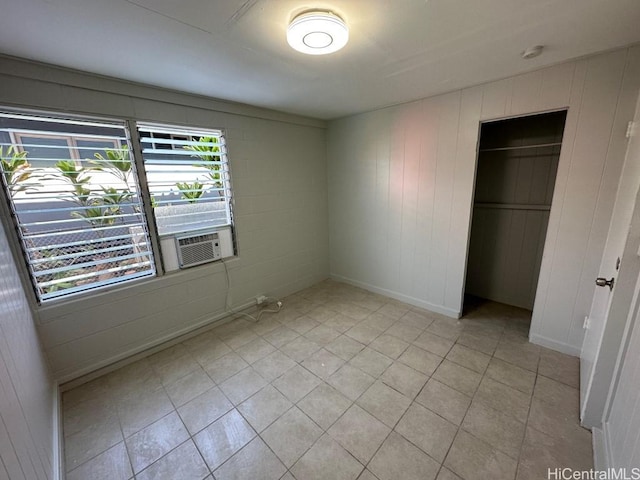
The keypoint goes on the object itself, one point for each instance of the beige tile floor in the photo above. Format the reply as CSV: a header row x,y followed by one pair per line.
x,y
341,384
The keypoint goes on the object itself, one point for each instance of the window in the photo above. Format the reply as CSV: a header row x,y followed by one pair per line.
x,y
81,223
44,150
79,209
89,148
188,178
160,145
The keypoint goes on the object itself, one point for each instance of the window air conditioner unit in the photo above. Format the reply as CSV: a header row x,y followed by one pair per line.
x,y
198,249
186,250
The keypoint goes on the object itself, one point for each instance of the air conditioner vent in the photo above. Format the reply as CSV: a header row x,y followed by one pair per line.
x,y
198,249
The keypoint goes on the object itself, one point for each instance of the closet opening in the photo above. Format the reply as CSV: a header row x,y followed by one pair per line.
x,y
515,178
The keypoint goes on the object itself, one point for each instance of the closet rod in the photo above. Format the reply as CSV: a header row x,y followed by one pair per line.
x,y
522,147
512,206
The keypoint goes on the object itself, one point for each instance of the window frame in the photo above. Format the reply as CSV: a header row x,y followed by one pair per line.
x,y
174,131
10,222
17,134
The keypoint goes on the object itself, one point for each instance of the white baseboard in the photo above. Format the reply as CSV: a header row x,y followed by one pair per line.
x,y
554,345
72,379
600,460
449,312
606,441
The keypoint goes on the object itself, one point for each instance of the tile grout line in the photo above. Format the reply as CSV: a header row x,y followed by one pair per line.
x,y
331,300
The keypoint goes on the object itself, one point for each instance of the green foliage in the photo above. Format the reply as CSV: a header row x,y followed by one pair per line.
x,y
117,162
98,216
99,205
115,197
104,209
99,209
78,178
191,191
208,153
16,169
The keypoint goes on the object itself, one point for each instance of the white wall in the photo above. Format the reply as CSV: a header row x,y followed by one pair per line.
x,y
278,173
27,394
401,186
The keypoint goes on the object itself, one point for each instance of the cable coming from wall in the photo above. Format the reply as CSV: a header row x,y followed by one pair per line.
x,y
229,309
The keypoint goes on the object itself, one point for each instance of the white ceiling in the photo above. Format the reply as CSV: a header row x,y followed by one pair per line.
x,y
236,49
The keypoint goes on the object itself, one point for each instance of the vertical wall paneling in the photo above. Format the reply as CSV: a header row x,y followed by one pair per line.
x,y
426,182
621,214
575,257
382,191
409,212
556,86
495,98
591,89
26,390
526,93
627,93
448,122
396,186
570,82
470,108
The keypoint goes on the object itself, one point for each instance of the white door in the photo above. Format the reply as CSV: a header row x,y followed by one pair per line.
x,y
621,424
610,306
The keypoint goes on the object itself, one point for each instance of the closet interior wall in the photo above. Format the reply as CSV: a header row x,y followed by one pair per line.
x,y
516,173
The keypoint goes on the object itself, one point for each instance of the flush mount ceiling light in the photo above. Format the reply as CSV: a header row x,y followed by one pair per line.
x,y
317,33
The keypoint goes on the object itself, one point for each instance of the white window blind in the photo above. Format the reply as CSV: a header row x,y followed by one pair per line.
x,y
188,177
73,192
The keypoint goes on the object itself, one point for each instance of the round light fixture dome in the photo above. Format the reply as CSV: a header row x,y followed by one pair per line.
x,y
317,33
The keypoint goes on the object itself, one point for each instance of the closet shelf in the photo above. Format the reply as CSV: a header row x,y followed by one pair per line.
x,y
512,206
521,147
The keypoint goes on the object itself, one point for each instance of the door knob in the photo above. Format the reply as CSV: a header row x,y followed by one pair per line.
x,y
603,282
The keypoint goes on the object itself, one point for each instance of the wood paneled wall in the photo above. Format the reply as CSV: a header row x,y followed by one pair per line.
x,y
401,186
26,391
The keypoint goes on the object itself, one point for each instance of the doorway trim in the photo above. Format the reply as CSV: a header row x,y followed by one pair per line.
x,y
552,211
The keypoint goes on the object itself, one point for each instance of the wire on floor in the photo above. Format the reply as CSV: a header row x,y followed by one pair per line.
x,y
227,306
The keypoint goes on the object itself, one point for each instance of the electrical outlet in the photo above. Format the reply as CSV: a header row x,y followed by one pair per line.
x,y
260,299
